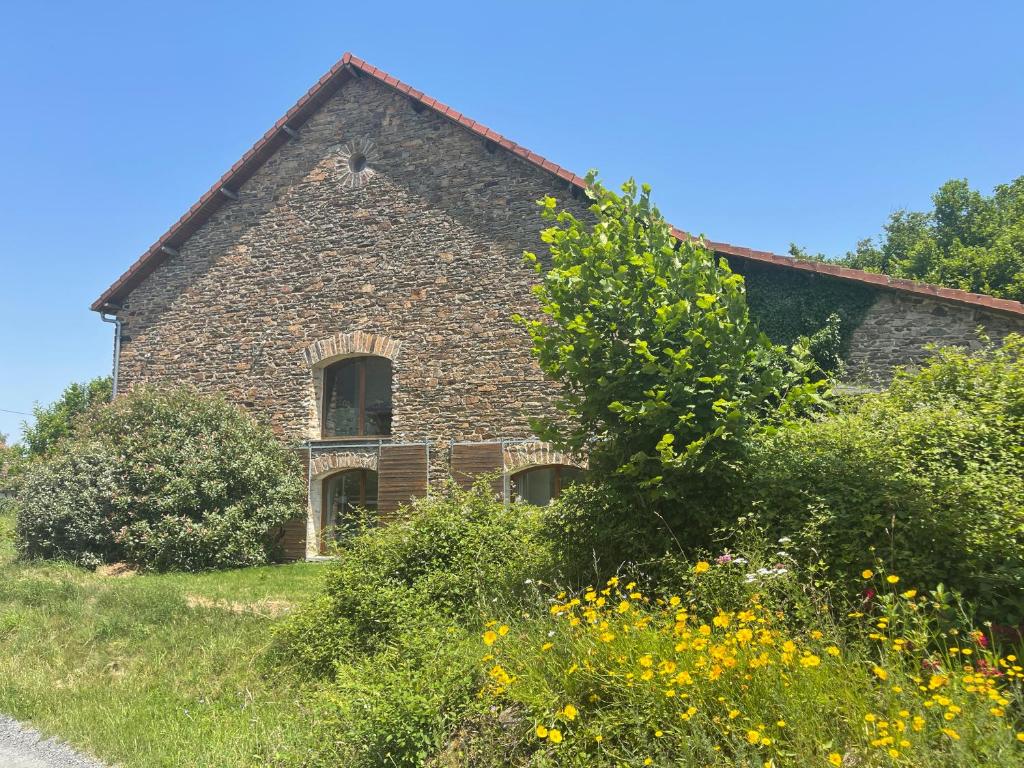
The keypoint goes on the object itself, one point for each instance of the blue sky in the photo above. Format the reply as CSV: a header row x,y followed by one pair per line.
x,y
756,123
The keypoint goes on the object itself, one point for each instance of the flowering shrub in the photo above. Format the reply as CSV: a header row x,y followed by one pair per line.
x,y
614,676
166,479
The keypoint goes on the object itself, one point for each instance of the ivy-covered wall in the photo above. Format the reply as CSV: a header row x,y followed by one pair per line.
x,y
787,303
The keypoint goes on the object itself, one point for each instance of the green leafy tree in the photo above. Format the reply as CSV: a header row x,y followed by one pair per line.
x,y
662,370
57,420
967,241
12,464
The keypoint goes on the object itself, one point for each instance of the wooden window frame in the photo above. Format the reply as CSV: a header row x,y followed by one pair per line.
x,y
360,362
557,490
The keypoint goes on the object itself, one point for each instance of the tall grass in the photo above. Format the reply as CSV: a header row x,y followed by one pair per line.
x,y
152,670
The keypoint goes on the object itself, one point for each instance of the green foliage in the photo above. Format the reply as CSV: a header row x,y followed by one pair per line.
x,y
13,461
928,475
164,479
787,304
967,241
67,507
660,366
58,420
388,634
447,556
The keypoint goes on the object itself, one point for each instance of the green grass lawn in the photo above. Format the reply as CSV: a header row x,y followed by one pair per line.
x,y
151,670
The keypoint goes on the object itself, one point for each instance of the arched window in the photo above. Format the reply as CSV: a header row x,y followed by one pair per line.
x,y
539,485
357,397
347,497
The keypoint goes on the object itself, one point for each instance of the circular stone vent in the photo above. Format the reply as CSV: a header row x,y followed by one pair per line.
x,y
355,162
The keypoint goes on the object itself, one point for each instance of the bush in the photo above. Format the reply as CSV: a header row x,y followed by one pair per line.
x,y
164,479
929,474
388,639
444,559
59,420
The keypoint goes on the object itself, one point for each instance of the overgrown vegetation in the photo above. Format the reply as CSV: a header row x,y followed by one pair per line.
x,y
58,420
166,479
756,675
663,375
787,304
967,241
929,474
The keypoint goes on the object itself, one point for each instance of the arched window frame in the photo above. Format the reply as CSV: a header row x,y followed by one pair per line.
x,y
360,363
362,473
322,352
559,469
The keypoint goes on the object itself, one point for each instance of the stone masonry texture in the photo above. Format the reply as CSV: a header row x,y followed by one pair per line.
x,y
898,328
427,253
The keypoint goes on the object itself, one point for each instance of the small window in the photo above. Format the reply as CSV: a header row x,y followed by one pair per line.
x,y
357,397
349,500
539,485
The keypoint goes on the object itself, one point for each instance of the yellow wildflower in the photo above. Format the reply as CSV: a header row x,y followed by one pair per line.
x,y
867,573
702,567
569,712
835,758
490,636
892,578
542,732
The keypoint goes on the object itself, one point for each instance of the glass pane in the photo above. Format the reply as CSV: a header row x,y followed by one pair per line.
x,y
370,500
346,501
341,399
536,486
378,396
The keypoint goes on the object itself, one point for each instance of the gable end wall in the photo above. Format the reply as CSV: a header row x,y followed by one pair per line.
x,y
428,253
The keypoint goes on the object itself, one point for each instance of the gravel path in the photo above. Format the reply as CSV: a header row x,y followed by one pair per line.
x,y
23,747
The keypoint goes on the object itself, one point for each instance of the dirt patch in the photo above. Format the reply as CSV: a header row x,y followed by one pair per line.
x,y
117,570
271,609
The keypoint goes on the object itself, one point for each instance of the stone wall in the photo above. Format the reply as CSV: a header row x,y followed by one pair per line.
x,y
423,246
898,327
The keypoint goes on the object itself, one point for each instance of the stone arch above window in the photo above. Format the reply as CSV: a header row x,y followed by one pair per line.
x,y
520,456
326,464
324,351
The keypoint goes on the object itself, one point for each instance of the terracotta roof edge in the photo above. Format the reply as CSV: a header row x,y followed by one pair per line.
x,y
251,160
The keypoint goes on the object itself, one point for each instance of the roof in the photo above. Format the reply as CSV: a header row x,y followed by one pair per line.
x,y
350,67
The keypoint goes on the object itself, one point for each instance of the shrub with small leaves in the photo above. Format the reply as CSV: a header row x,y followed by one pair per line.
x,y
166,479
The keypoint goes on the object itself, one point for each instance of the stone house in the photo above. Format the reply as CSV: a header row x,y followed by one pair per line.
x,y
351,278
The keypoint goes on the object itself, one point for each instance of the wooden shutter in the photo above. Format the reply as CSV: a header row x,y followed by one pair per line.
x,y
401,477
470,460
291,536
